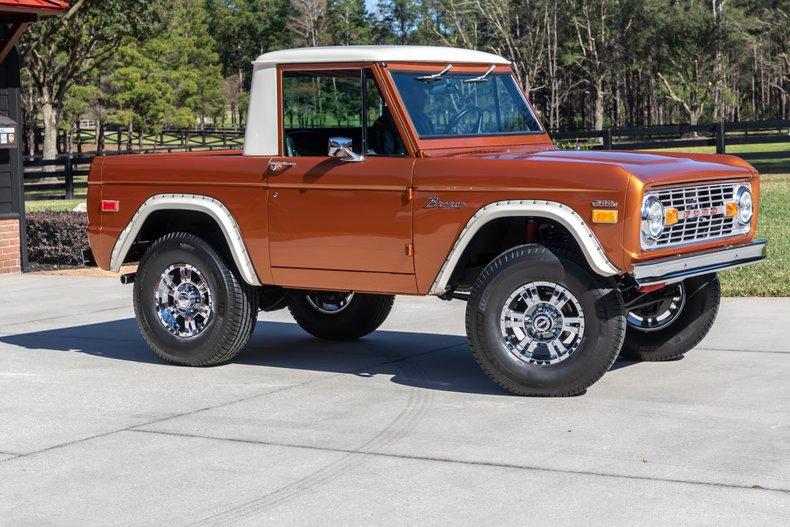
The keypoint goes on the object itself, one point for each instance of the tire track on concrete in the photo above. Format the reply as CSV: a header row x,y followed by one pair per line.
x,y
417,406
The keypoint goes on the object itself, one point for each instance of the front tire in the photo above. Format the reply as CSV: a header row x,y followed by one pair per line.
x,y
190,306
666,330
339,316
540,323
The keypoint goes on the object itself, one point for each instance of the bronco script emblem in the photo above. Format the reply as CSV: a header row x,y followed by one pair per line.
x,y
435,203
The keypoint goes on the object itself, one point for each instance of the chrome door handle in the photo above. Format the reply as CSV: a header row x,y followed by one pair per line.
x,y
279,166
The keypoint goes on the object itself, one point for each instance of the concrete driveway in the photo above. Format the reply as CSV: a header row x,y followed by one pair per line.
x,y
398,428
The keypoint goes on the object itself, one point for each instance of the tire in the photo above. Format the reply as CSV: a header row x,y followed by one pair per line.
x,y
685,331
216,335
339,319
590,349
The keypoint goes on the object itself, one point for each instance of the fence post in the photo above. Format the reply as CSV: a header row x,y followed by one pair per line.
x,y
721,145
607,139
69,173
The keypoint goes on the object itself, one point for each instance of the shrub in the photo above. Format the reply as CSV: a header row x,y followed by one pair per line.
x,y
57,238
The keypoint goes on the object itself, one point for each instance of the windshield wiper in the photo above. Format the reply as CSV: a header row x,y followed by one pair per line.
x,y
435,77
481,78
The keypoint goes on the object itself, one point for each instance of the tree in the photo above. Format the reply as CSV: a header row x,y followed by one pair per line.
x,y
61,51
347,22
693,36
187,53
242,30
138,91
401,17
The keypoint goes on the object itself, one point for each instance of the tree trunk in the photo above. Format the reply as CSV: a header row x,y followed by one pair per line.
x,y
50,116
598,105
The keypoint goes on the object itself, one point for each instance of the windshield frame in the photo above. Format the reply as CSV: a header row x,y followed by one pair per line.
x,y
486,139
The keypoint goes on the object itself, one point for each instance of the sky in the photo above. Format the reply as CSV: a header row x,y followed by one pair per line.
x,y
371,5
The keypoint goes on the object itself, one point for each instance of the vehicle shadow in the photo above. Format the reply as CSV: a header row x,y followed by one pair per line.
x,y
425,360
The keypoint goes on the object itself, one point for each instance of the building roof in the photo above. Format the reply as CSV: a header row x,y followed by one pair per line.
x,y
437,54
41,7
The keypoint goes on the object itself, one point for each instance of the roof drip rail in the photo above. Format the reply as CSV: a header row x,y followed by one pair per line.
x,y
435,77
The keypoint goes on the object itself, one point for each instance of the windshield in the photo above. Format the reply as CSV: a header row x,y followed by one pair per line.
x,y
471,104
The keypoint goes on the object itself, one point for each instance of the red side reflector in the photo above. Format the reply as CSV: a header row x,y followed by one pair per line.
x,y
110,205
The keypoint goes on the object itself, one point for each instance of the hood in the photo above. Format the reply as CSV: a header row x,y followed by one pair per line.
x,y
650,167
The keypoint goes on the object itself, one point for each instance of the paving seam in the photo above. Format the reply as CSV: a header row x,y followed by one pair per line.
x,y
466,462
104,310
228,403
770,352
417,406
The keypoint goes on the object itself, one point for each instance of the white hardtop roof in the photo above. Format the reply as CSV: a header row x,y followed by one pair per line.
x,y
438,54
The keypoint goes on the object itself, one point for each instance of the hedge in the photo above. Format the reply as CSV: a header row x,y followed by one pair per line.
x,y
56,239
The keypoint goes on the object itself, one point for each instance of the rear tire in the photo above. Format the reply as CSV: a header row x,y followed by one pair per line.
x,y
190,306
339,316
540,323
700,306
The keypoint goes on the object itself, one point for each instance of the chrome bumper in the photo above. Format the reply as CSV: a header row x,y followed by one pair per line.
x,y
677,268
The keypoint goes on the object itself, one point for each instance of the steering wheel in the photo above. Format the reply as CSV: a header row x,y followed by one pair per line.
x,y
462,115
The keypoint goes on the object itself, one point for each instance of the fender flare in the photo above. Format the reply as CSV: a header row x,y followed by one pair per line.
x,y
194,202
562,214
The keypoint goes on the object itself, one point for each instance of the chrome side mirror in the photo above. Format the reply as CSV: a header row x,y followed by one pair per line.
x,y
342,148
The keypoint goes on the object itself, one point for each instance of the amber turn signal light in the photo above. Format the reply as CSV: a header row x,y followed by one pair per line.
x,y
604,216
110,205
731,210
670,216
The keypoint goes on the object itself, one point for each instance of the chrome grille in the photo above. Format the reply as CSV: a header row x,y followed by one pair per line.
x,y
695,198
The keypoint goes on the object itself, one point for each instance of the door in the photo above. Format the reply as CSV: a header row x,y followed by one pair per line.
x,y
327,213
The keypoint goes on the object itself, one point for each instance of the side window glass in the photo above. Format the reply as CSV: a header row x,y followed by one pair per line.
x,y
319,105
382,135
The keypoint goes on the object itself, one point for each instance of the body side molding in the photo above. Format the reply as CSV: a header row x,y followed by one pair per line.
x,y
194,202
558,212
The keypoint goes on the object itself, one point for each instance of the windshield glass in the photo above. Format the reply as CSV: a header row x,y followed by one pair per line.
x,y
471,104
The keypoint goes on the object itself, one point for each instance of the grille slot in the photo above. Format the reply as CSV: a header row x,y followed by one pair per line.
x,y
698,228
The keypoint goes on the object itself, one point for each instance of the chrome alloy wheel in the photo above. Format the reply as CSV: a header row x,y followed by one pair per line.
x,y
542,323
183,300
329,302
661,313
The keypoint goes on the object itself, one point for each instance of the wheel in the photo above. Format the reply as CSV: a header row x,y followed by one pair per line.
x,y
191,307
671,321
540,323
339,316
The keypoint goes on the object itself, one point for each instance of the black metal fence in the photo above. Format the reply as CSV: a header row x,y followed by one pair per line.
x,y
106,140
65,177
718,135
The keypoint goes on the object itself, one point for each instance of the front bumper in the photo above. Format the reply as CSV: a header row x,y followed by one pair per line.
x,y
677,268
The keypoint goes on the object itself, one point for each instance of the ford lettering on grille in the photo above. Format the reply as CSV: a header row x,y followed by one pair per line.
x,y
701,213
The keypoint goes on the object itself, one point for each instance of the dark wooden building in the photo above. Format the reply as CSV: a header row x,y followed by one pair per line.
x,y
15,17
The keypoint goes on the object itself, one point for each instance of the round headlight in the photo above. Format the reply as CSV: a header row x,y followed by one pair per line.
x,y
745,205
652,218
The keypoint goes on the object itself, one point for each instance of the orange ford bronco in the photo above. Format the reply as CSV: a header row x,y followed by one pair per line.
x,y
370,172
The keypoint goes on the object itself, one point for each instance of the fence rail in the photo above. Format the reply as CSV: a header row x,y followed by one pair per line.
x,y
718,135
66,176
108,140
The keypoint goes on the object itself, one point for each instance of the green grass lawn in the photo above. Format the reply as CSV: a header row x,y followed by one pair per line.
x,y
753,152
52,205
771,277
